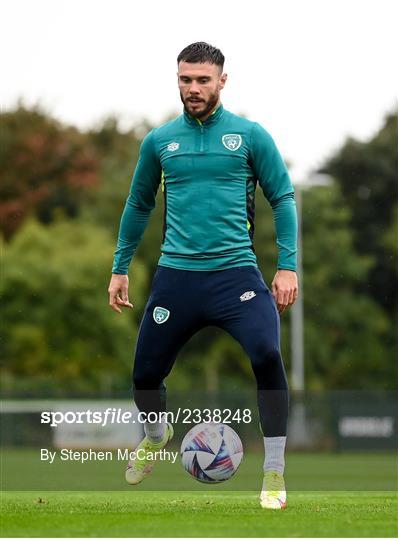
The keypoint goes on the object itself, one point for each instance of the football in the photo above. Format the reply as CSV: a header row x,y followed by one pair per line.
x,y
211,453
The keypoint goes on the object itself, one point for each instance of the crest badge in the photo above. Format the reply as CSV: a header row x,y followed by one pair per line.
x,y
160,315
232,142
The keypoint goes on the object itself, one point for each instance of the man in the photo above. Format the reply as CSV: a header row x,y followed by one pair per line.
x,y
208,162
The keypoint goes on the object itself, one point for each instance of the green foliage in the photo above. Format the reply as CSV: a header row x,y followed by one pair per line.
x,y
391,239
45,167
119,153
57,320
367,174
345,329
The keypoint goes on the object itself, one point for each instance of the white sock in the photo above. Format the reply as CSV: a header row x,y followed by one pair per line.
x,y
155,431
274,454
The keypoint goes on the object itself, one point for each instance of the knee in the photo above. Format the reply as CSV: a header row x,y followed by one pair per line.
x,y
145,378
268,367
266,356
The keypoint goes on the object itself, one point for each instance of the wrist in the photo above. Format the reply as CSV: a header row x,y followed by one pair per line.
x,y
287,270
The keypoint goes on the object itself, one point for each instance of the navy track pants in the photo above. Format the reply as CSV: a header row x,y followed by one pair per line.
x,y
181,303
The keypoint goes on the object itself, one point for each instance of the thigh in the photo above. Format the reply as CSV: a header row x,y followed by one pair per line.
x,y
250,314
171,317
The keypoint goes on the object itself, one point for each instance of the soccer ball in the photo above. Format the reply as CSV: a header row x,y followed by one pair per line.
x,y
211,453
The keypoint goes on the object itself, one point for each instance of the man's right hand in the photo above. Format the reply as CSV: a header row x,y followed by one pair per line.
x,y
119,292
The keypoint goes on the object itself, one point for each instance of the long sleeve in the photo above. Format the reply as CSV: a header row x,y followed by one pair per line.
x,y
285,219
139,204
273,177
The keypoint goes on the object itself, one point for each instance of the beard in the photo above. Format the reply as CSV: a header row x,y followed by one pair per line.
x,y
208,105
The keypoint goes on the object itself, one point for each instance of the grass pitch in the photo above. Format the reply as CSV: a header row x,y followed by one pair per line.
x,y
22,470
196,514
328,495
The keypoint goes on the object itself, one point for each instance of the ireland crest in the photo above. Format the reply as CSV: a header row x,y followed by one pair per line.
x,y
232,142
160,314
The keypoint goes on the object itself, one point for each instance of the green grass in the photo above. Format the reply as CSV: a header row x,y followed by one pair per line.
x,y
350,494
190,514
304,472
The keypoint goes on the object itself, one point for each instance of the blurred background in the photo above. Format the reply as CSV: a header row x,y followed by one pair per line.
x,y
83,84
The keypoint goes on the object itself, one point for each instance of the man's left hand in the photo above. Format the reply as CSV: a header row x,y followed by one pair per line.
x,y
285,289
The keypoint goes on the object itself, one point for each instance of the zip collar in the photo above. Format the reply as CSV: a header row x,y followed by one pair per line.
x,y
212,119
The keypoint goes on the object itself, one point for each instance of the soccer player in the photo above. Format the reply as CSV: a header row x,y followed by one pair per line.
x,y
208,162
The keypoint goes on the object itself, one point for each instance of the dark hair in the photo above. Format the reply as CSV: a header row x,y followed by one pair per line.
x,y
201,52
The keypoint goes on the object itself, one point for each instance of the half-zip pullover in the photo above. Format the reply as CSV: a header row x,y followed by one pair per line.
x,y
208,172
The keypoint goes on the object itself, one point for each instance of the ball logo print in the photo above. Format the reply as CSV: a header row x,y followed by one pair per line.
x,y
232,142
160,315
248,295
211,453
172,147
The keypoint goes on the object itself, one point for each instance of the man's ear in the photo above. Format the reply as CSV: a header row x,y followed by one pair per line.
x,y
223,80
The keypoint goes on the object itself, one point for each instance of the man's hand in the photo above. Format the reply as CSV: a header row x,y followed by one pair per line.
x,y
119,292
285,289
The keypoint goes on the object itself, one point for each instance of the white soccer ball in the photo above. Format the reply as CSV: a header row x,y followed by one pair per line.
x,y
211,453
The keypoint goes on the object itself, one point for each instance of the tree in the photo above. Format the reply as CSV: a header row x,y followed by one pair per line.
x,y
46,167
345,329
57,322
367,175
119,154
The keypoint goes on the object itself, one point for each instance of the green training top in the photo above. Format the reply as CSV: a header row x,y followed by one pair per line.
x,y
208,172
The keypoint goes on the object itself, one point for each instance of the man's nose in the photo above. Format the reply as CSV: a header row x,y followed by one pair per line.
x,y
194,88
